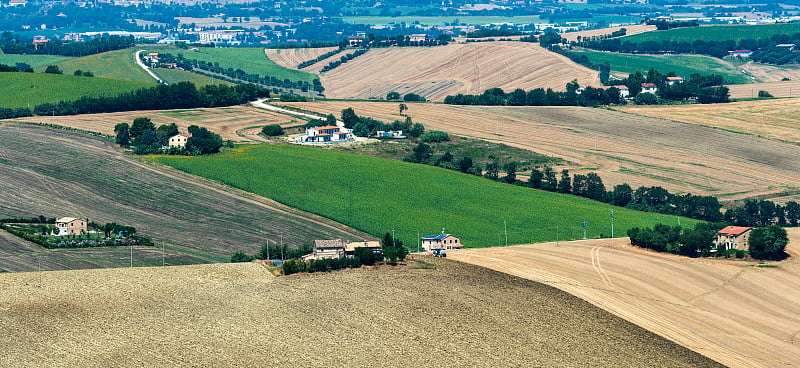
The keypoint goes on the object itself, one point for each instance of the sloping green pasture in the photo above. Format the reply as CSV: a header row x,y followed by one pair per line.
x,y
30,89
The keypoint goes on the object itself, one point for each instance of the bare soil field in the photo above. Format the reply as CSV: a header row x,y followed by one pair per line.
x,y
629,30
735,312
777,119
290,58
58,173
435,72
771,73
621,147
448,314
234,123
776,89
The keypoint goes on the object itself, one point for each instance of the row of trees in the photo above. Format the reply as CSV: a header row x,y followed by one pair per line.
x,y
174,96
764,213
187,64
319,58
12,43
344,59
713,48
540,97
767,242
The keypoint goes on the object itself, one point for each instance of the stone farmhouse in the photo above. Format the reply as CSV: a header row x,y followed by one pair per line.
x,y
337,248
733,237
70,226
441,241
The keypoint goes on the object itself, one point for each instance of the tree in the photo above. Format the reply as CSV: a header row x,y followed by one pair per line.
x,y
549,181
140,125
792,210
565,184
403,108
696,242
393,96
272,130
420,154
535,180
492,170
53,69
768,243
78,73
465,164
365,255
412,97
511,172
416,130
621,195
646,99
123,134
203,141
349,118
164,132
241,257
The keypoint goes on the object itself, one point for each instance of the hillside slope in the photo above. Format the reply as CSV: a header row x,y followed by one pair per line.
x,y
30,89
233,315
58,173
435,72
732,311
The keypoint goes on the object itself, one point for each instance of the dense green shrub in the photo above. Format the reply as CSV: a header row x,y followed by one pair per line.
x,y
272,130
434,137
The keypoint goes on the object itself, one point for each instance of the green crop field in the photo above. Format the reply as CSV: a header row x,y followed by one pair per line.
x,y
173,76
35,61
683,65
378,195
716,33
119,64
29,89
439,20
251,60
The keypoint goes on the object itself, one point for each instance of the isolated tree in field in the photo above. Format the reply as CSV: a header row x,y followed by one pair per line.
x,y
565,184
768,243
392,96
403,108
272,130
78,73
53,69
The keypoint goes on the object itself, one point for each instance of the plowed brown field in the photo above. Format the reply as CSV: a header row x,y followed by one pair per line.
x,y
732,311
236,123
435,72
629,30
290,58
621,147
235,315
58,173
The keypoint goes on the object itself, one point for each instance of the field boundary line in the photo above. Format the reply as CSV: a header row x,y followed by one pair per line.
x,y
595,256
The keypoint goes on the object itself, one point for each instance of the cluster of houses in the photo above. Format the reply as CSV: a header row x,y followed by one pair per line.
x,y
624,91
337,248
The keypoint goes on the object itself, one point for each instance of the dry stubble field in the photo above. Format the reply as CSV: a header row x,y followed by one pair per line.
x,y
629,30
233,315
776,89
59,173
621,147
237,123
435,72
730,311
290,58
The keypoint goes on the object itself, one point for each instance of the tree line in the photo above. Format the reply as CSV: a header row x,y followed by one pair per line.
x,y
174,96
12,43
344,59
718,49
319,58
590,96
768,242
238,74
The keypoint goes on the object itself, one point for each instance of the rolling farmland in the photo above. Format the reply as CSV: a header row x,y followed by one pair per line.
x,y
683,65
351,189
716,33
35,61
196,221
435,72
231,315
735,312
776,89
621,147
237,123
629,29
290,58
119,64
30,89
173,76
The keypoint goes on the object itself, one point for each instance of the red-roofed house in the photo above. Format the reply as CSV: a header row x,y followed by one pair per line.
x,y
649,88
673,80
733,237
326,134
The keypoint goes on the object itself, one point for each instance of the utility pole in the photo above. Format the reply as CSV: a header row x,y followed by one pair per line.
x,y
268,249
131,246
556,235
418,245
612,222
584,224
505,230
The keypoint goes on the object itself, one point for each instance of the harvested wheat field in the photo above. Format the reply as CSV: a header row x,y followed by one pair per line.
x,y
447,314
771,73
237,123
290,58
735,312
776,89
777,119
58,173
629,30
621,147
435,72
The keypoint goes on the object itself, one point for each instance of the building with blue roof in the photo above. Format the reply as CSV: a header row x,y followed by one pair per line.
x,y
441,241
